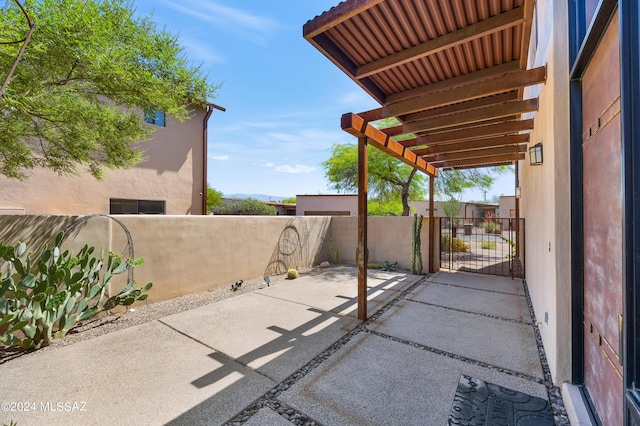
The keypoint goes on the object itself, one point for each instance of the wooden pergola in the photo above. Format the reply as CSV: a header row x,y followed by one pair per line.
x,y
451,72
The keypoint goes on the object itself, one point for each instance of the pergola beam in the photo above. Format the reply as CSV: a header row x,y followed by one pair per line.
x,y
447,41
462,106
472,116
472,144
470,133
356,126
477,153
480,162
493,86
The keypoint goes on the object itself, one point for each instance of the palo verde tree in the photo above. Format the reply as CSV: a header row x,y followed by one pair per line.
x,y
391,180
78,89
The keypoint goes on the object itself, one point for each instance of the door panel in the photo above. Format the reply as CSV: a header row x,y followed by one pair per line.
x,y
601,138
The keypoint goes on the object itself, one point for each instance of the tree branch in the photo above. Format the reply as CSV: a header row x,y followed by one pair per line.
x,y
32,27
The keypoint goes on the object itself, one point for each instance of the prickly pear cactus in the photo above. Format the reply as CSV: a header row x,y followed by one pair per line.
x,y
42,299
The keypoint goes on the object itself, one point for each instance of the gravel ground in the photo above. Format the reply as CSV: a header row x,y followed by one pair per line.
x,y
144,313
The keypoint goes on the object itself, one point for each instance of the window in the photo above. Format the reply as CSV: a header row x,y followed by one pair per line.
x,y
120,206
154,117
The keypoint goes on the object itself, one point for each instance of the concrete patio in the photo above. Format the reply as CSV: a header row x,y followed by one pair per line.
x,y
295,352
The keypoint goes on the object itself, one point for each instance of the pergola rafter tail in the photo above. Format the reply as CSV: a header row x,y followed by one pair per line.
x,y
356,126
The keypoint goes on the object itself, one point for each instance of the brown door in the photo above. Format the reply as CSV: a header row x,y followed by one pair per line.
x,y
601,150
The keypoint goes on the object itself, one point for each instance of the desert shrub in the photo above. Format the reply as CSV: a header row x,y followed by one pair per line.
x,y
455,244
489,245
491,227
292,274
248,207
42,299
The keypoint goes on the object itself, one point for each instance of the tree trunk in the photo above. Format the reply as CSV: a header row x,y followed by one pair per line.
x,y
405,193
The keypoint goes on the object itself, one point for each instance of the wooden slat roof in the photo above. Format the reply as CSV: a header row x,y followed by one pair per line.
x,y
452,72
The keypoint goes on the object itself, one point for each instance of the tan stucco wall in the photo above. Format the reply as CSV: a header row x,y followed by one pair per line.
x,y
326,203
388,238
172,171
545,202
190,254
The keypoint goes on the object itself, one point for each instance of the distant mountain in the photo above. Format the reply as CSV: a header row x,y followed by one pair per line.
x,y
261,197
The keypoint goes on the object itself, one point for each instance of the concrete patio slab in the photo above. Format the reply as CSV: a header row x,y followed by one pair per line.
x,y
367,382
147,374
267,417
480,282
267,334
497,342
339,291
472,300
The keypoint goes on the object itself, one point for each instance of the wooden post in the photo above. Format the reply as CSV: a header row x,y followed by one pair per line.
x,y
363,185
432,225
517,253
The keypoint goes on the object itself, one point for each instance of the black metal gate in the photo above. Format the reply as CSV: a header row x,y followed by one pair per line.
x,y
491,246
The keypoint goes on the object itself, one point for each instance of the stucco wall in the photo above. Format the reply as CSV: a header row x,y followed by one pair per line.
x,y
545,202
189,254
171,171
388,238
312,204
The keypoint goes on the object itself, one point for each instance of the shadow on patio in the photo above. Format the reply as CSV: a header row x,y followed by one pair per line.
x,y
295,352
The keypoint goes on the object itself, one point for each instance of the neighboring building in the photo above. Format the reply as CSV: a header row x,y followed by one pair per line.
x,y
327,205
467,210
283,209
507,206
170,180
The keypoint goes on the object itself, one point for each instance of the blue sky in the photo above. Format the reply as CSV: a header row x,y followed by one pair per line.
x,y
284,99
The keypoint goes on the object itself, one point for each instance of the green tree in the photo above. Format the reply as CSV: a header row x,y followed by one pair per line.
x,y
77,95
388,178
249,206
214,199
451,207
290,200
391,179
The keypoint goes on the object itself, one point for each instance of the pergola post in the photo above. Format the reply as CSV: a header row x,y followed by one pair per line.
x,y
517,177
363,187
432,225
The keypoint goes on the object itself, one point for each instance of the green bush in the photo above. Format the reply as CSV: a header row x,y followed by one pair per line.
x,y
248,206
292,274
42,300
455,245
491,227
489,245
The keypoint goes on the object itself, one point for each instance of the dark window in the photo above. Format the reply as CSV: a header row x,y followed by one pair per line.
x,y
154,117
119,206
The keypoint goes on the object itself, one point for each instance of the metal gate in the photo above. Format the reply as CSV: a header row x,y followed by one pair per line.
x,y
491,246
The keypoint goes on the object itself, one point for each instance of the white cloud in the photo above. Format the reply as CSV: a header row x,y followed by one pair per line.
x,y
298,168
269,164
200,52
256,27
218,157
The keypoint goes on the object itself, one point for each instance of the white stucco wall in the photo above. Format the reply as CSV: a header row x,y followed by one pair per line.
x,y
545,202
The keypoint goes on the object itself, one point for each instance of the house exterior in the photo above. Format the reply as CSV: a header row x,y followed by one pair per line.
x,y
466,210
327,205
170,180
571,71
283,209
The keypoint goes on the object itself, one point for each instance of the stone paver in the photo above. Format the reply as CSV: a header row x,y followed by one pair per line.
x,y
497,342
481,282
472,300
267,334
147,374
375,381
